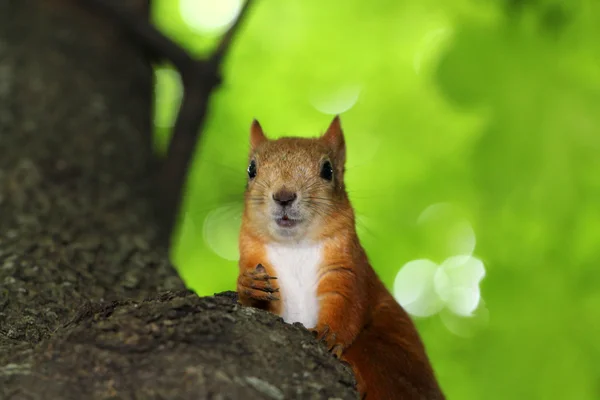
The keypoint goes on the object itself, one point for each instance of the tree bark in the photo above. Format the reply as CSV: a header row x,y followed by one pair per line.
x,y
90,306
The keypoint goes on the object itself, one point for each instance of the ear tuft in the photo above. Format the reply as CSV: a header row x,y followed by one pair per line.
x,y
334,136
257,136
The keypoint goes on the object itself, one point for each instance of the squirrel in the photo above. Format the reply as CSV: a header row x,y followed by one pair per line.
x,y
300,258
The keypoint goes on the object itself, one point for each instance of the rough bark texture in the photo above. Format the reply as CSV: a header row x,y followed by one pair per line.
x,y
90,307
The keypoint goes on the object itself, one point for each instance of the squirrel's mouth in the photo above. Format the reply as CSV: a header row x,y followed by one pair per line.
x,y
286,222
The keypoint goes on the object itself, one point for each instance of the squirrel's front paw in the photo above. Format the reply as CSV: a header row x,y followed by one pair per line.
x,y
257,285
323,333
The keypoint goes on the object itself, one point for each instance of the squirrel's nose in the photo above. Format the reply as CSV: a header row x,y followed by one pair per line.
x,y
284,197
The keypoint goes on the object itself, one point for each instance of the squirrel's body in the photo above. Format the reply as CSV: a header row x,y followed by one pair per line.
x,y
300,258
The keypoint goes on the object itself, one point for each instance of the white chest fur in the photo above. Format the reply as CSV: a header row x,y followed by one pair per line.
x,y
296,267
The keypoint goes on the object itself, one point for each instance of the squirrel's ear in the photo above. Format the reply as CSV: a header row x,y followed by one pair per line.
x,y
335,137
257,136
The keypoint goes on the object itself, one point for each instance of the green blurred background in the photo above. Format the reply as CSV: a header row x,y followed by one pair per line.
x,y
486,112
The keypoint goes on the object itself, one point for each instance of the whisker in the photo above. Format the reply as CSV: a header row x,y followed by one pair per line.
x,y
318,198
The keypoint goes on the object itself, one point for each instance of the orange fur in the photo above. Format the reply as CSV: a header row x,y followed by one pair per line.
x,y
358,318
253,288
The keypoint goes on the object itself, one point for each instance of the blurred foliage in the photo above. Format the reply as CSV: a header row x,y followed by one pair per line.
x,y
491,106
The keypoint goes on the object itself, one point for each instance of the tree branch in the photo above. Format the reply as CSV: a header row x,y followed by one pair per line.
x,y
199,78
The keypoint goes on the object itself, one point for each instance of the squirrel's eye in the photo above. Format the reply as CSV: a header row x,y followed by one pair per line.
x,y
327,171
252,169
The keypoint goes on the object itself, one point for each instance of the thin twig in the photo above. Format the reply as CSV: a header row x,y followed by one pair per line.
x,y
223,46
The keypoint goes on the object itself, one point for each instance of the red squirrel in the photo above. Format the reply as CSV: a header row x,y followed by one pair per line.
x,y
300,258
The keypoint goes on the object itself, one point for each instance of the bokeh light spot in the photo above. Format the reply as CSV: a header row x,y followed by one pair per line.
x,y
456,282
414,289
425,288
221,229
209,16
335,100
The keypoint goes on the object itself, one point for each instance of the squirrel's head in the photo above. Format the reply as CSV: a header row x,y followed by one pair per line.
x,y
295,185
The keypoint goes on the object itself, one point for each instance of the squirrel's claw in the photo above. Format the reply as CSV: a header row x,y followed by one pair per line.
x,y
258,285
260,274
261,268
265,288
337,351
326,336
319,334
260,295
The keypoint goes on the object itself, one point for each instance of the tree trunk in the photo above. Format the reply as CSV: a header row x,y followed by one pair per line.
x,y
90,306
